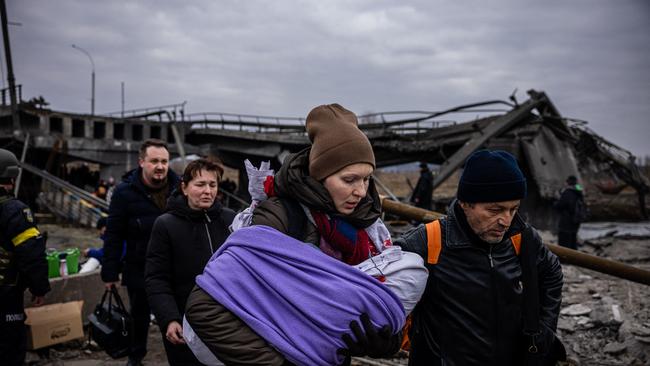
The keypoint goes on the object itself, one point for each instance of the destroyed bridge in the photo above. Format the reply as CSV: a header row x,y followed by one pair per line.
x,y
548,146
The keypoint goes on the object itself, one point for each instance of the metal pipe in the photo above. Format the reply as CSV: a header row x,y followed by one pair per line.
x,y
408,211
566,255
602,265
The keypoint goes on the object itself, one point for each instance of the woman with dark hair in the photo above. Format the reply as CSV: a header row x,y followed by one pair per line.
x,y
182,241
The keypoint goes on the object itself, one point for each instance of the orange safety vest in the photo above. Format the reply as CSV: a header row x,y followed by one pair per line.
x,y
434,247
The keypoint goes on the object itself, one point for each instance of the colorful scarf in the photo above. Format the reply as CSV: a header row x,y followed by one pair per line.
x,y
354,245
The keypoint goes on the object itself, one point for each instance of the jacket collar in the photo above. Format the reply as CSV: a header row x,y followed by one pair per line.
x,y
134,178
457,235
177,206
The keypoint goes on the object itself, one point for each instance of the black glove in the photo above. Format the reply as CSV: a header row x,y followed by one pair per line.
x,y
376,343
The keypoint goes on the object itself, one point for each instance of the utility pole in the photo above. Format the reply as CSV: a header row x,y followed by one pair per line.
x,y
10,70
92,77
122,100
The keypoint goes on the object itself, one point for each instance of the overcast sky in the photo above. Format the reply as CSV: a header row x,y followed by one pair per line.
x,y
280,57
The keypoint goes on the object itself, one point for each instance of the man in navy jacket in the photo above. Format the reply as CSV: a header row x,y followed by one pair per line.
x,y
135,205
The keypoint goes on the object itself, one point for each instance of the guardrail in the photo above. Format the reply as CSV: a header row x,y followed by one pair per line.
x,y
398,122
67,201
68,206
165,113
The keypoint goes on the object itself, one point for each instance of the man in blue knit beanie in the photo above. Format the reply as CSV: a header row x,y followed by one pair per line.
x,y
473,309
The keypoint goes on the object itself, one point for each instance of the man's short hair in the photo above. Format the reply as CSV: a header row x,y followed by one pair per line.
x,y
151,142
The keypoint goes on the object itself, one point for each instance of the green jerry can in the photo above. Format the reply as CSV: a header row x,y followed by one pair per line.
x,y
52,256
72,259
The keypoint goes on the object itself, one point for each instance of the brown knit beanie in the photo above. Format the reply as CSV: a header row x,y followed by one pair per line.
x,y
336,141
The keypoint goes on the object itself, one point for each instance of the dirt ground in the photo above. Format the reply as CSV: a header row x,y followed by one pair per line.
x,y
604,320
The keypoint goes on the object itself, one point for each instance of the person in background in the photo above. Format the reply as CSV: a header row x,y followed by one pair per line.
x,y
472,311
111,189
101,189
22,264
571,200
182,241
226,186
136,203
97,253
421,196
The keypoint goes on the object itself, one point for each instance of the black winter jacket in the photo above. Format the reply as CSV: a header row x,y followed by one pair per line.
x,y
421,196
22,250
471,311
182,242
566,206
131,215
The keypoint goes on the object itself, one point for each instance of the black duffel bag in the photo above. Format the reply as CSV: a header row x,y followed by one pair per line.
x,y
111,325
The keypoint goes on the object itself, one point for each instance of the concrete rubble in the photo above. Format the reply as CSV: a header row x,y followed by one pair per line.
x,y
605,320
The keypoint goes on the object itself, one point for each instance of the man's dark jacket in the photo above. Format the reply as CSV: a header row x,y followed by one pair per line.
x,y
423,189
471,311
178,250
131,215
566,206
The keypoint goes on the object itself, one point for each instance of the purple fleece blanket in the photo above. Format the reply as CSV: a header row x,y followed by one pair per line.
x,y
297,298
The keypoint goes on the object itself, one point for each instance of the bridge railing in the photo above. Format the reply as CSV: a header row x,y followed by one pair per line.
x,y
398,122
164,113
67,201
68,206
245,122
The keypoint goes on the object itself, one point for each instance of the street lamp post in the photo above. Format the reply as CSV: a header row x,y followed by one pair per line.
x,y
92,63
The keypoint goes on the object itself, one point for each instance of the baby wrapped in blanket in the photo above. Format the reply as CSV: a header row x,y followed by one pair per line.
x,y
300,300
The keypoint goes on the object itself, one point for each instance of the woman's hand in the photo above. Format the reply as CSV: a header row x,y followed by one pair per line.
x,y
174,333
371,341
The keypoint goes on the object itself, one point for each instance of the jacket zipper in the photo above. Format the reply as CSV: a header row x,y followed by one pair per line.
x,y
207,231
490,256
494,301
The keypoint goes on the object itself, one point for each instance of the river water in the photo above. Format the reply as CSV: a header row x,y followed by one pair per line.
x,y
593,230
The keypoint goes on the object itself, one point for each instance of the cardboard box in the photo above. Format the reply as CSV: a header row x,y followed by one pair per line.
x,y
52,324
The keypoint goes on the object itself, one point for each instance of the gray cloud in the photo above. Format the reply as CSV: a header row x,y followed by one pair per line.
x,y
284,57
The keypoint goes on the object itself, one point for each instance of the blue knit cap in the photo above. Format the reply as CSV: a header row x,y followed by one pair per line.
x,y
491,176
